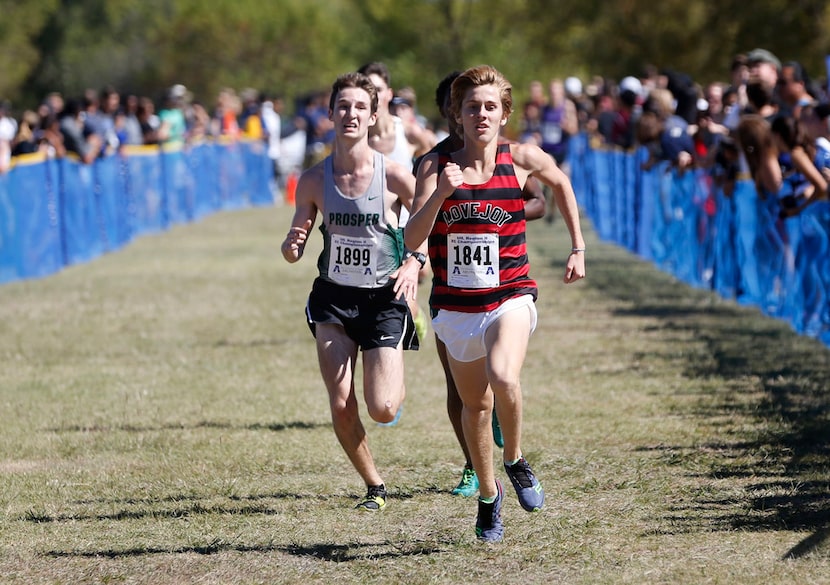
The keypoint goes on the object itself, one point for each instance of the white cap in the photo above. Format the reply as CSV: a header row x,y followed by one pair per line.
x,y
178,91
631,84
573,86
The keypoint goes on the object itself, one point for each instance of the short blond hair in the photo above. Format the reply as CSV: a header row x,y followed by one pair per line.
x,y
476,77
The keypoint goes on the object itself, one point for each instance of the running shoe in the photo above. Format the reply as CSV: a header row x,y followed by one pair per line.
x,y
468,486
395,420
498,438
375,499
489,527
530,492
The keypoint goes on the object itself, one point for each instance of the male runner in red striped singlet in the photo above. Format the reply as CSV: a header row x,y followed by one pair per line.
x,y
470,209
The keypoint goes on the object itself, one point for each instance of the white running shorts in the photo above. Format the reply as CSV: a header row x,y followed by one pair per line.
x,y
463,333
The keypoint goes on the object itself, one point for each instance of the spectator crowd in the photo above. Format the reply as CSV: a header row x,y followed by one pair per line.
x,y
768,121
103,122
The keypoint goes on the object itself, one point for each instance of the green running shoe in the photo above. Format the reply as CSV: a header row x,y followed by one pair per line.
x,y
468,486
375,499
498,439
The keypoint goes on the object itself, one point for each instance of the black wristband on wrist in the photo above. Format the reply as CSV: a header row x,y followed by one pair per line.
x,y
421,258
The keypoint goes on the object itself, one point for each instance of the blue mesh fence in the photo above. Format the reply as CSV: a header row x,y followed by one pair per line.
x,y
686,225
54,213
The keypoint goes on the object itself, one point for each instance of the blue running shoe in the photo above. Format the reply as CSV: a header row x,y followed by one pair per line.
x,y
468,486
530,492
395,420
498,438
489,527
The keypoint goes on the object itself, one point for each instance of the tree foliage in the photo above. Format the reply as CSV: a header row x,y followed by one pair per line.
x,y
20,24
296,46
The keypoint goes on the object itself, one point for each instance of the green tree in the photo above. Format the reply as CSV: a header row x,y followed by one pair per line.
x,y
249,43
297,46
20,24
620,37
147,45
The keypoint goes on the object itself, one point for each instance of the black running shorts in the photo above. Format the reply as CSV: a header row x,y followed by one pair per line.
x,y
371,317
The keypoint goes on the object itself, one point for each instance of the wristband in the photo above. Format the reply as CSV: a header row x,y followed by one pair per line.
x,y
421,258
575,250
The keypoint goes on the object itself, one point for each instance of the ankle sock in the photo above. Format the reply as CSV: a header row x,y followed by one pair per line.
x,y
511,463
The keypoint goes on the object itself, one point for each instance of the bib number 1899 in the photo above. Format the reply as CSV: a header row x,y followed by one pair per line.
x,y
353,256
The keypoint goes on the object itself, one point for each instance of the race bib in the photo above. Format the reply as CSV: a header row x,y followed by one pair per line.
x,y
473,260
352,261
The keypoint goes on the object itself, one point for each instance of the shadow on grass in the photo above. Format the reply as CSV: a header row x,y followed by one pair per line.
x,y
192,505
301,425
184,511
772,406
337,553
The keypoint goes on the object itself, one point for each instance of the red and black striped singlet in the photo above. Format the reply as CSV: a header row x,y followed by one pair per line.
x,y
477,246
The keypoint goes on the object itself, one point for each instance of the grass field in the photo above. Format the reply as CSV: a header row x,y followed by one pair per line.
x,y
163,421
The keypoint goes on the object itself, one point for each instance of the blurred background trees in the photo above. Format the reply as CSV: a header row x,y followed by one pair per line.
x,y
297,46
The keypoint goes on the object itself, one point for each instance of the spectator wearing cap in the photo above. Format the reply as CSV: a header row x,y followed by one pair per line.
x,y
764,69
628,111
573,87
172,124
574,92
761,80
763,66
